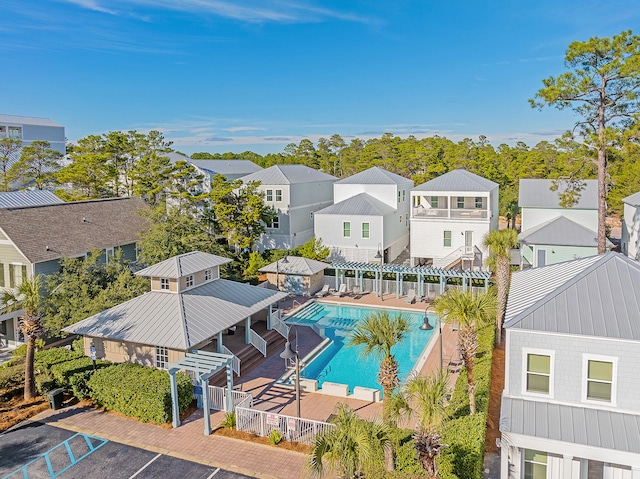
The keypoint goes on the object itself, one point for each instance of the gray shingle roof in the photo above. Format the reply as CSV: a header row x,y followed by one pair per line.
x,y
359,205
457,180
536,193
594,296
295,265
374,176
573,424
183,265
633,200
287,174
27,120
178,320
11,199
48,232
560,231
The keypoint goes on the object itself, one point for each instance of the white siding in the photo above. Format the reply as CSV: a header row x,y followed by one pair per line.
x,y
427,237
355,248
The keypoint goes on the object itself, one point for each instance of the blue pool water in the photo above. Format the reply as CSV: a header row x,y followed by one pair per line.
x,y
339,363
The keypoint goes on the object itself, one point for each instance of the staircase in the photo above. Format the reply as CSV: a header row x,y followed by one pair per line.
x,y
404,258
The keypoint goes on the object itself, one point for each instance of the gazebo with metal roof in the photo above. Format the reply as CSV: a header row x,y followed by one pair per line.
x,y
422,272
203,365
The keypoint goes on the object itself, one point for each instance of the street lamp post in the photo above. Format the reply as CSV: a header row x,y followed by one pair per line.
x,y
289,353
427,327
380,255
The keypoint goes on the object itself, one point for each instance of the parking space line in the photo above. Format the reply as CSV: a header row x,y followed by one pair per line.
x,y
214,473
145,466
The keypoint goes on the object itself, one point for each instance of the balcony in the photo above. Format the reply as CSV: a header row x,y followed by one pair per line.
x,y
469,214
421,211
455,213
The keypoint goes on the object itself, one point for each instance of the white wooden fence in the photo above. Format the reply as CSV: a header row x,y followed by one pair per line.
x,y
218,398
258,342
279,326
235,362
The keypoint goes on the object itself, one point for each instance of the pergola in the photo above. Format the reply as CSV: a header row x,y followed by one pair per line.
x,y
422,272
204,365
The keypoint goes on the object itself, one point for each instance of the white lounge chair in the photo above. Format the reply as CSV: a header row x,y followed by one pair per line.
x,y
356,292
323,292
411,296
342,290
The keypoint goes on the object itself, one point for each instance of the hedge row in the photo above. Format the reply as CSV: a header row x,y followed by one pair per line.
x,y
138,391
74,374
45,359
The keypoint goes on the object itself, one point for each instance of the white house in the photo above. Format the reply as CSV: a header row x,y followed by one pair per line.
x,y
370,210
295,192
551,233
631,226
570,405
450,217
28,129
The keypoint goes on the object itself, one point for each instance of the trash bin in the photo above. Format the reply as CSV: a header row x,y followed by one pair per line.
x,y
55,398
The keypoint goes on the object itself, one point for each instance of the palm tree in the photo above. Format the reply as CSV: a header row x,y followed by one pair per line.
x,y
424,398
378,333
469,310
349,448
28,298
500,244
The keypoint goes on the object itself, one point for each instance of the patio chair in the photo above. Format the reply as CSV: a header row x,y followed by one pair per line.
x,y
342,290
323,292
411,296
356,292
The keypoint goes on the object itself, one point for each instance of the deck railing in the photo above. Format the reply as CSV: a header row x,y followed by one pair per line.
x,y
258,342
218,398
281,327
235,362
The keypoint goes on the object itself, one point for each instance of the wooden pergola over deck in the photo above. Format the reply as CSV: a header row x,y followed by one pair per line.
x,y
422,272
204,365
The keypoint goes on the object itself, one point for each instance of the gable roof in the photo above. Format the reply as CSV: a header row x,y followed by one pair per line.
x,y
183,265
227,167
560,231
361,204
179,320
594,296
287,175
11,199
536,193
295,265
633,200
374,176
48,232
457,180
27,120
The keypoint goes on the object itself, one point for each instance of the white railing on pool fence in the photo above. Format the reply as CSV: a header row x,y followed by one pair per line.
x,y
235,362
282,328
292,428
258,342
218,398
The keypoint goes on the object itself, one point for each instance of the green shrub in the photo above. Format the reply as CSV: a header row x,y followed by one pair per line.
x,y
47,358
12,376
45,383
74,374
229,421
139,391
78,345
275,437
21,351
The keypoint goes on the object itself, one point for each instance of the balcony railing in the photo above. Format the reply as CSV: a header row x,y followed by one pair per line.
x,y
470,214
456,213
430,212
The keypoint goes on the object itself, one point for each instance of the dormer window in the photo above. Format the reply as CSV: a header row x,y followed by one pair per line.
x,y
189,281
207,274
164,284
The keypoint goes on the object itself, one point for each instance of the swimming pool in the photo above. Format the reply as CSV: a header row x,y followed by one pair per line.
x,y
338,363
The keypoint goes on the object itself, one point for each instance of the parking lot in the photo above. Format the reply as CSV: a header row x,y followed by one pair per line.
x,y
38,451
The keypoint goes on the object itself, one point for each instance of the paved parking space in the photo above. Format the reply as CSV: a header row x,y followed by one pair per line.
x,y
39,451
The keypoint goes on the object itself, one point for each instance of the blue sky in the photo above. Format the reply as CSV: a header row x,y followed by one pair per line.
x,y
217,75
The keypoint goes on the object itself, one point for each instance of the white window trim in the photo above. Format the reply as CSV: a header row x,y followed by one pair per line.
x,y
164,281
188,278
368,229
343,229
541,352
275,195
164,351
614,378
209,273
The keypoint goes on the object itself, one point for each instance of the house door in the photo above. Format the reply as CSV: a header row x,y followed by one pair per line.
x,y
468,242
542,257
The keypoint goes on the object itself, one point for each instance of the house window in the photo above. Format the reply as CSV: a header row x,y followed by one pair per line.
x,y
278,195
15,132
207,274
3,131
406,221
269,195
538,376
434,201
164,283
1,275
346,229
398,196
599,379
400,218
275,222
478,202
189,281
109,254
162,357
311,215
404,196
365,230
23,271
535,464
447,239
460,201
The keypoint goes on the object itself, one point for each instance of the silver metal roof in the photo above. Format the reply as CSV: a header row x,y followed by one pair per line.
x,y
457,180
27,120
536,193
178,320
573,424
227,167
633,200
295,265
560,231
595,296
11,199
375,176
359,205
183,265
287,174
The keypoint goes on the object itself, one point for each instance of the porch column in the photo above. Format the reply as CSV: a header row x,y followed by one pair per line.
x,y
175,410
443,281
269,311
247,330
567,462
337,279
375,283
230,407
635,472
206,410
399,278
504,460
220,342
